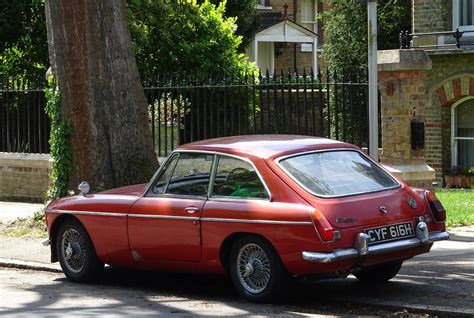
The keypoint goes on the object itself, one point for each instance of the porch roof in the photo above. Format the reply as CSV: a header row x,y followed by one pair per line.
x,y
286,31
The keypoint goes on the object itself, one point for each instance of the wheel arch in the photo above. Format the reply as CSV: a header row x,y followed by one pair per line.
x,y
226,246
54,232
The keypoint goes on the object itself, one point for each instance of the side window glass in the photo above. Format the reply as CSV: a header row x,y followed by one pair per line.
x,y
191,174
162,182
237,179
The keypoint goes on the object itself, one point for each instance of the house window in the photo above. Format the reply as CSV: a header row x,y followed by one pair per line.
x,y
463,14
308,14
463,133
263,4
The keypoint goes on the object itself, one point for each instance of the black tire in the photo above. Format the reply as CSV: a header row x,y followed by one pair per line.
x,y
379,273
76,253
249,278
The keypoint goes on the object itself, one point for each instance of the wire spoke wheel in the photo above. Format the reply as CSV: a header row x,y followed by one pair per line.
x,y
253,268
74,250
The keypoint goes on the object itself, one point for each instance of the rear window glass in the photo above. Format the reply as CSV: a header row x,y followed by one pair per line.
x,y
337,173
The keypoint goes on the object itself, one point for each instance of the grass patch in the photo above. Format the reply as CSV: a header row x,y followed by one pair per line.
x,y
459,207
33,226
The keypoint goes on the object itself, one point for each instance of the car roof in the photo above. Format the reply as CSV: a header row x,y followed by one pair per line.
x,y
265,146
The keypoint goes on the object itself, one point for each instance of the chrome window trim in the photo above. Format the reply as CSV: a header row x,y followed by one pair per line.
x,y
86,212
214,166
206,219
212,176
149,192
157,174
237,199
218,198
172,171
279,159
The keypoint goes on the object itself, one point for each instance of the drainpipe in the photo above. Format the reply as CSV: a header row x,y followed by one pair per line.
x,y
294,44
373,92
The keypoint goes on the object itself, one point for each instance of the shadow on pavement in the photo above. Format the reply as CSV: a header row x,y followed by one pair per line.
x,y
442,286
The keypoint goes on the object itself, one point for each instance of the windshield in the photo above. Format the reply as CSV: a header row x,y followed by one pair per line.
x,y
337,173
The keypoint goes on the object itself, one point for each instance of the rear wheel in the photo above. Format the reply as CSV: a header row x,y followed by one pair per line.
x,y
76,253
256,270
379,273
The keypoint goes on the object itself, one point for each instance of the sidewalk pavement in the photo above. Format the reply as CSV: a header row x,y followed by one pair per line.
x,y
10,211
29,253
23,252
26,253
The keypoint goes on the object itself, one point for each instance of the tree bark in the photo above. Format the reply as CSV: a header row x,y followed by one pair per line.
x,y
101,94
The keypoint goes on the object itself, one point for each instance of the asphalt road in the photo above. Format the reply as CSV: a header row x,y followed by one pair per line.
x,y
440,283
132,294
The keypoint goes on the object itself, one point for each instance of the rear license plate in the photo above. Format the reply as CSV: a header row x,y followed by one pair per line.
x,y
390,232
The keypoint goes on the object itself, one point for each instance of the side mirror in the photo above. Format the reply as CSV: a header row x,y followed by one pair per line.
x,y
84,187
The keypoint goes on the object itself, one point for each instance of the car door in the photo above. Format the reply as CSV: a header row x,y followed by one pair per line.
x,y
165,223
239,200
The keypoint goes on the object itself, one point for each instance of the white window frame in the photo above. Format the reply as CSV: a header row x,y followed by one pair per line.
x,y
454,139
261,5
313,21
456,19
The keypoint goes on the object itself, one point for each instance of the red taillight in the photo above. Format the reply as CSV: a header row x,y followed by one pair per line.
x,y
436,207
322,226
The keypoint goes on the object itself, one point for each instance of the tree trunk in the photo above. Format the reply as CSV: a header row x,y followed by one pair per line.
x,y
101,94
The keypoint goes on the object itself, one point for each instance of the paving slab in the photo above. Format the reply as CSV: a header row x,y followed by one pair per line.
x,y
10,211
24,249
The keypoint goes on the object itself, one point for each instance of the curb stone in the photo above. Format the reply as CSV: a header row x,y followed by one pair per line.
x,y
19,264
461,237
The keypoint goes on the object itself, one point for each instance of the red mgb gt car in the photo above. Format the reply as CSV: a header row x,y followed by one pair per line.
x,y
260,208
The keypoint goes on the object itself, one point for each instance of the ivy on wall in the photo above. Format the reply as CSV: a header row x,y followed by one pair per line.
x,y
59,143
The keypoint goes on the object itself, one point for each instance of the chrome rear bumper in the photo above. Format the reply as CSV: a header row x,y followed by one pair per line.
x,y
361,247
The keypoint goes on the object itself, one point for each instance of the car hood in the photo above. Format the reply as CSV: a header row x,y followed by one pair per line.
x,y
117,200
135,190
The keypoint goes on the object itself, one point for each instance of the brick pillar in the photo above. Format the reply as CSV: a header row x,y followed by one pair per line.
x,y
402,86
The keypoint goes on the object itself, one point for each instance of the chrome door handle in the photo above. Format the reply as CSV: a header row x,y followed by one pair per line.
x,y
191,209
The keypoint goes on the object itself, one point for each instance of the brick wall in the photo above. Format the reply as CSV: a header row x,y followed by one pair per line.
x,y
285,60
448,81
24,177
402,78
403,100
431,15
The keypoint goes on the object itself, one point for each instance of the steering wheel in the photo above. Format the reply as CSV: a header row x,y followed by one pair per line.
x,y
235,171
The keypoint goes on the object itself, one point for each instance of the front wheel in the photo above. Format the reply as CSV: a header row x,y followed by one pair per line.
x,y
256,270
76,253
379,273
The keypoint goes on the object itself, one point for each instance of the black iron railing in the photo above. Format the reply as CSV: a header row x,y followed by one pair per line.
x,y
186,108
24,125
406,39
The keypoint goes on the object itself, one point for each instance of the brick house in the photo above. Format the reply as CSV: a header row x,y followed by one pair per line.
x,y
287,38
449,100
